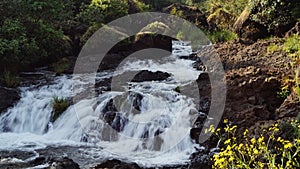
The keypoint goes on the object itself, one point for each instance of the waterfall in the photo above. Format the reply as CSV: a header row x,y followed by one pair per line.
x,y
149,125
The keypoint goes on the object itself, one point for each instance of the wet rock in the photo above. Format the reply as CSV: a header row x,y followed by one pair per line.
x,y
116,164
38,161
201,159
8,98
146,40
63,164
136,100
110,61
146,75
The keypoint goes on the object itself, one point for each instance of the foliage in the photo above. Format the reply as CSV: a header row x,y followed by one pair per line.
x,y
292,47
225,12
30,31
59,106
16,47
272,48
269,150
141,6
221,36
284,92
273,14
103,11
10,79
177,12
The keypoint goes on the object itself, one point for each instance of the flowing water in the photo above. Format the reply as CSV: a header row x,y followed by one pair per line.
x,y
155,135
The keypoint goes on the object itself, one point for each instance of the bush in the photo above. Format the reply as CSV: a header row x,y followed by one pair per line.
x,y
59,106
221,36
292,47
265,151
103,11
140,6
10,79
274,15
30,32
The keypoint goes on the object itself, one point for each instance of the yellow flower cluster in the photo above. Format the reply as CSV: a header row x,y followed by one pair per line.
x,y
257,152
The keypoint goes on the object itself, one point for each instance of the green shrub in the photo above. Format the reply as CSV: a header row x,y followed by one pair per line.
x,y
31,32
272,14
141,6
289,131
272,48
221,36
10,79
59,106
292,47
284,92
103,11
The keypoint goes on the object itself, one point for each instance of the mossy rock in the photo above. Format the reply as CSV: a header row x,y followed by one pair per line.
x,y
221,18
151,37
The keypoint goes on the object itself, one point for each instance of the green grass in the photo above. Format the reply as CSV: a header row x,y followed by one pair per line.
x,y
59,106
10,79
272,48
222,36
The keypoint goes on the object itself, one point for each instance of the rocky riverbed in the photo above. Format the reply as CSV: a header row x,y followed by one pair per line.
x,y
253,77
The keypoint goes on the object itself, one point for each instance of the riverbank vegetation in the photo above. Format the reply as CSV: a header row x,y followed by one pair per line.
x,y
52,32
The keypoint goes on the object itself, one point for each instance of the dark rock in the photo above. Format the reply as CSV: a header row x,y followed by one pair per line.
x,y
122,80
116,164
294,30
146,75
64,163
38,161
8,98
290,107
111,61
136,99
146,40
248,29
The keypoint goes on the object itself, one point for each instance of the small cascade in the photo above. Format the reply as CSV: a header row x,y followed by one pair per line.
x,y
148,122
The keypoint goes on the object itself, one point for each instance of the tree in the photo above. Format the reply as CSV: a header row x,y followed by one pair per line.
x,y
31,32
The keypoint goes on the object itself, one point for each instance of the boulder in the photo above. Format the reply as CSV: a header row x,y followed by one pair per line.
x,y
146,75
8,98
117,164
64,163
151,37
248,29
